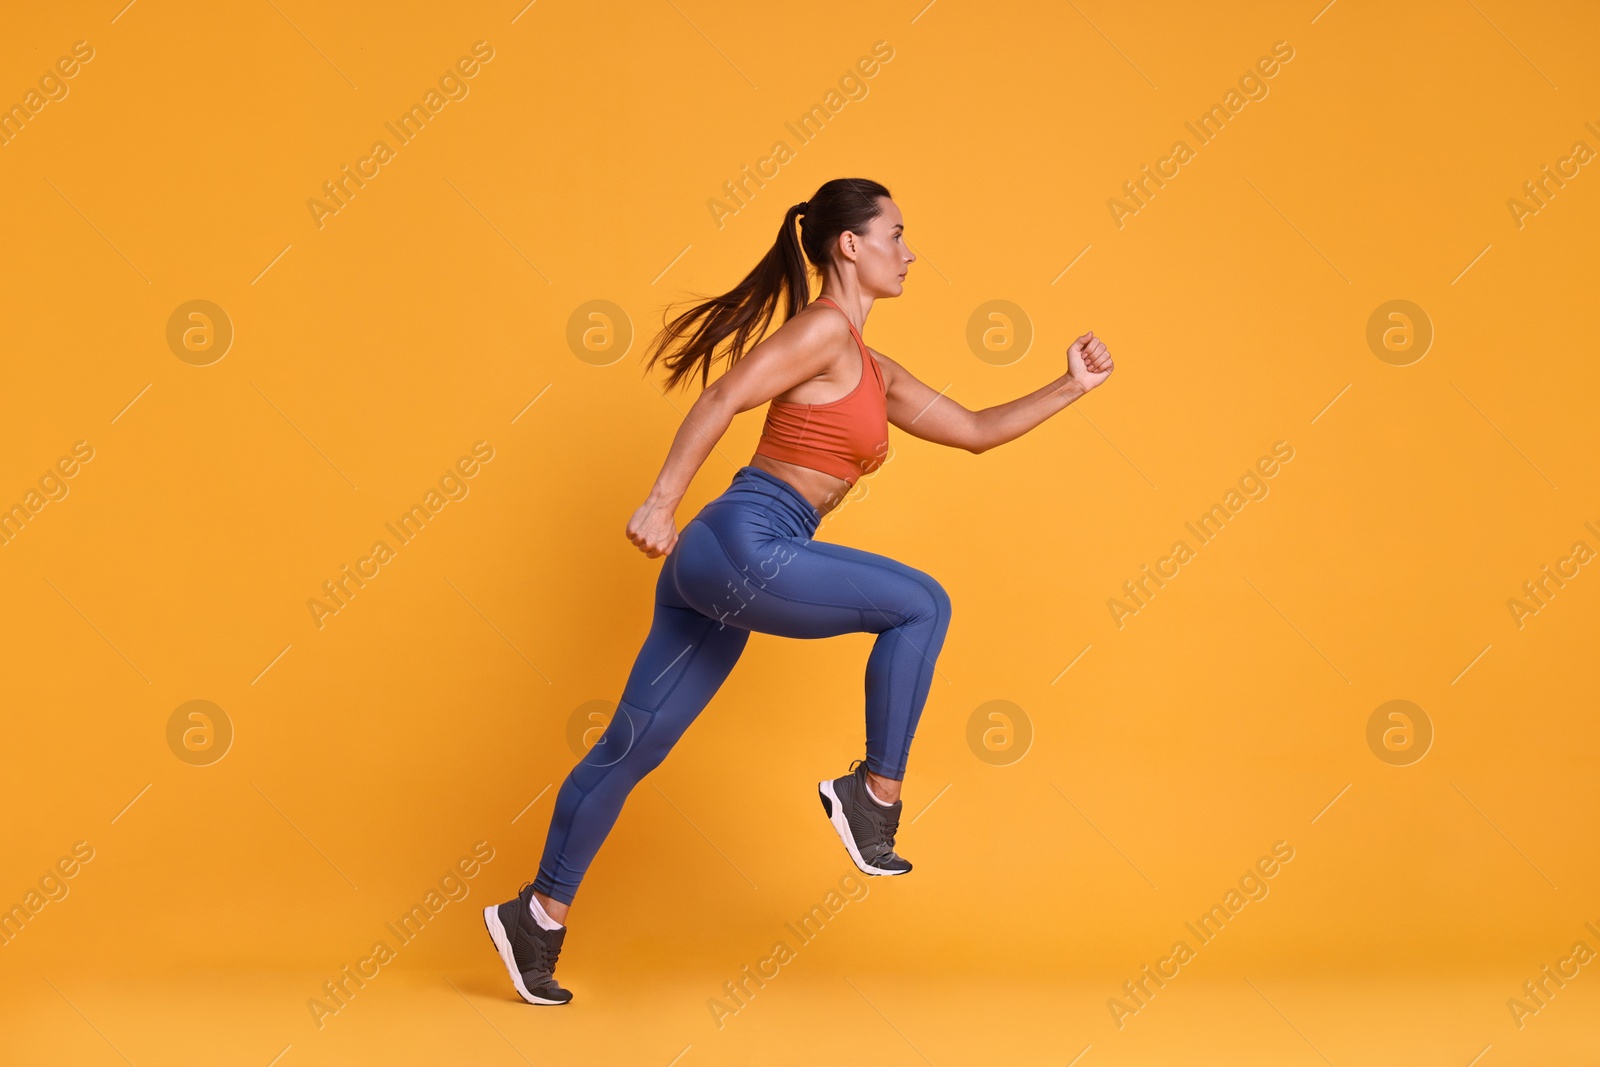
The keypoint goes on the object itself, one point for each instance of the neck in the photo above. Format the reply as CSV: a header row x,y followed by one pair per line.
x,y
853,305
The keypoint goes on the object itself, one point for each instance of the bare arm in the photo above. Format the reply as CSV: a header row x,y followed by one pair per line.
x,y
920,411
708,419
798,350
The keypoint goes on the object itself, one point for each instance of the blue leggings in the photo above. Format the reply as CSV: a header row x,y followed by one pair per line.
x,y
747,562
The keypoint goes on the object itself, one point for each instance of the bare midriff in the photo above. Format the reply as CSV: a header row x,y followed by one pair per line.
x,y
822,490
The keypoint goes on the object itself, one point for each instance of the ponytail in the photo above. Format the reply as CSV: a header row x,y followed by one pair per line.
x,y
746,310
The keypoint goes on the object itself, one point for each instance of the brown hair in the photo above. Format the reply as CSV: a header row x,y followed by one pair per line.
x,y
746,310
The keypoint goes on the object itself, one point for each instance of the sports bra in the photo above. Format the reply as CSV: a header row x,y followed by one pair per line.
x,y
847,437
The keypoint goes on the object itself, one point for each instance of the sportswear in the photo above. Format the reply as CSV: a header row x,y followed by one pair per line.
x,y
866,826
746,564
528,950
847,437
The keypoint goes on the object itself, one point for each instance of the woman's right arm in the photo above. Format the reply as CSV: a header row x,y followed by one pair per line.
x,y
652,528
798,350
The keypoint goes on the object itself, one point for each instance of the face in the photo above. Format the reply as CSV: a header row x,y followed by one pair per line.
x,y
882,256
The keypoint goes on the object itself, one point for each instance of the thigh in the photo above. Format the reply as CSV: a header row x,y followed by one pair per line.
x,y
683,662
797,588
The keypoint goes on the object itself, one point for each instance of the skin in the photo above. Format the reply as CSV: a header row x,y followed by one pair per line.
x,y
813,359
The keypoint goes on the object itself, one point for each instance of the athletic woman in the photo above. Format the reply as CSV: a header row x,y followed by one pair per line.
x,y
747,561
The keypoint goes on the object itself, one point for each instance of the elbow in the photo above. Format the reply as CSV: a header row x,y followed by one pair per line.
x,y
976,439
716,398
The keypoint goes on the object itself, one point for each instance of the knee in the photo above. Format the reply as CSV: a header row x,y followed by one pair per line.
x,y
937,605
629,749
943,599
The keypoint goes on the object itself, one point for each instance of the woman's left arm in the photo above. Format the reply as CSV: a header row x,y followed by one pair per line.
x,y
915,408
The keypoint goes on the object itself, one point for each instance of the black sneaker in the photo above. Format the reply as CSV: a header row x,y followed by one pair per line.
x,y
528,949
866,827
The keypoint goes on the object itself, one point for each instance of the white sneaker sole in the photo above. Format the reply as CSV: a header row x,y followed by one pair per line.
x,y
502,944
842,827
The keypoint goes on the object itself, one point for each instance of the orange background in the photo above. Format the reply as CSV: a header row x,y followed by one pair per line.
x,y
434,710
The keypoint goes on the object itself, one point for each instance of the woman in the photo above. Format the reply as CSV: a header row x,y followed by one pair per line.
x,y
747,561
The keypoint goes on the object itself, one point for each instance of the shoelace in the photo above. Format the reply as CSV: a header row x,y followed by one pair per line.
x,y
888,827
885,819
545,954
887,823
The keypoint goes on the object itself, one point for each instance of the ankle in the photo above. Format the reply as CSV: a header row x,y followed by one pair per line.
x,y
886,791
547,912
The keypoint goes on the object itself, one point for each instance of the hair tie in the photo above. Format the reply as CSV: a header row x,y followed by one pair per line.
x,y
802,205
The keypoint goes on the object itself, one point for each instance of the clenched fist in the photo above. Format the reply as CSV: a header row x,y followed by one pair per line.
x,y
1088,362
653,529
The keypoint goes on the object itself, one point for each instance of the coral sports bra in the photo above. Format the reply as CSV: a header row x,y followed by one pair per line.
x,y
847,437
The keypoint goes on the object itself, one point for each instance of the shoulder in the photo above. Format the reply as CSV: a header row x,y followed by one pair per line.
x,y
890,368
820,320
815,329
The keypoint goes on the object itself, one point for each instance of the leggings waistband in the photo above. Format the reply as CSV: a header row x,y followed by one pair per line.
x,y
795,510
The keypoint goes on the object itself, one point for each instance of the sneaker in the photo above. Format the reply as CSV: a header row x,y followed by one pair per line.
x,y
528,949
866,827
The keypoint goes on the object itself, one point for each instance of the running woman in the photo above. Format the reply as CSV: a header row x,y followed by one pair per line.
x,y
747,561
